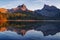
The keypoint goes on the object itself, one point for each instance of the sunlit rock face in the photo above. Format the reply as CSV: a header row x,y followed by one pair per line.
x,y
22,7
19,8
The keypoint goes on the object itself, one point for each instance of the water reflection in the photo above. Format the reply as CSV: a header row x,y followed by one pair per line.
x,y
30,35
31,31
22,27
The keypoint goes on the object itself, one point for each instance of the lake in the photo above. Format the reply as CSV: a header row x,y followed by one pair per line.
x,y
37,30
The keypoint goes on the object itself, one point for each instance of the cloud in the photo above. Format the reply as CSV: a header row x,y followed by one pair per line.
x,y
11,4
31,4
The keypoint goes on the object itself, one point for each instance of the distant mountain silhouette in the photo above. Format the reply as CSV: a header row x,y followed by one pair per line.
x,y
49,11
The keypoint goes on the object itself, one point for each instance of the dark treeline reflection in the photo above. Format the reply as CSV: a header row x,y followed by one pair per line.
x,y
16,30
47,28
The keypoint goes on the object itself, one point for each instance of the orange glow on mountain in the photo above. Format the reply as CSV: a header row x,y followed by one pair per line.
x,y
3,10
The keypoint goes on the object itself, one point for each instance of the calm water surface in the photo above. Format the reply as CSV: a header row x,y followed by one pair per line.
x,y
34,31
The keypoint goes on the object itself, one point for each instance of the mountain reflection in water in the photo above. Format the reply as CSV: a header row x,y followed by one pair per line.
x,y
30,35
43,30
48,28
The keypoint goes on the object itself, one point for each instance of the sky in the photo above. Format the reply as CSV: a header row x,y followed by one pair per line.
x,y
31,4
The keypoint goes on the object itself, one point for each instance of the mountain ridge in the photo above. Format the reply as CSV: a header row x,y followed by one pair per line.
x,y
47,12
24,8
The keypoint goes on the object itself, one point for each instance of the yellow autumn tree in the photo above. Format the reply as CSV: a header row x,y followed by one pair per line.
x,y
2,19
3,10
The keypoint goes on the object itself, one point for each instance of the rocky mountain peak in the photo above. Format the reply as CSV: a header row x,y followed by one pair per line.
x,y
22,7
49,7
